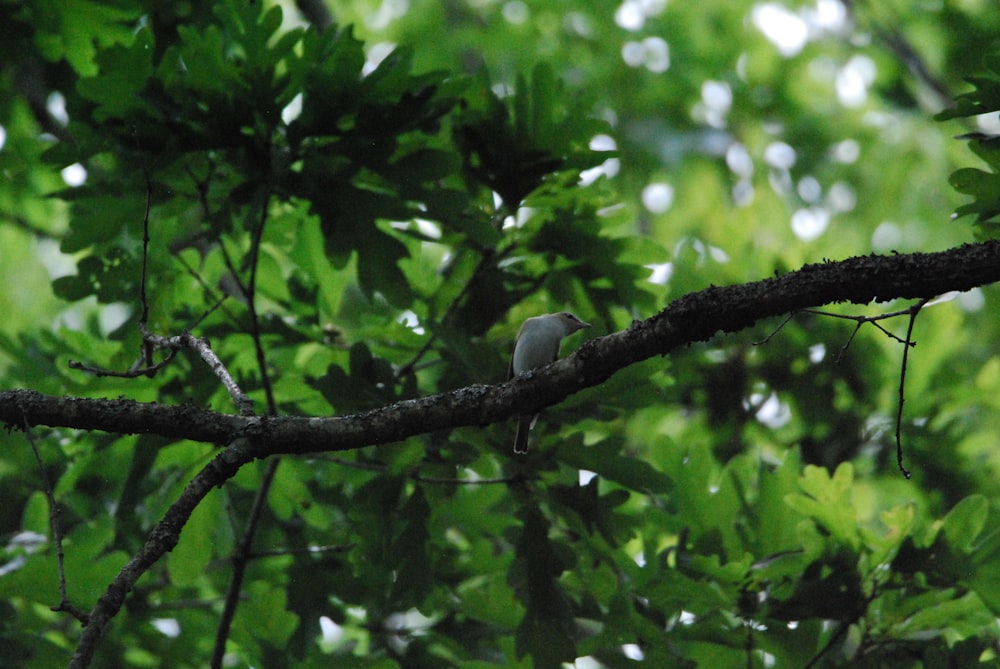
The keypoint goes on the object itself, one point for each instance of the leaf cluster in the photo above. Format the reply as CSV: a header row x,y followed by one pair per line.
x,y
983,186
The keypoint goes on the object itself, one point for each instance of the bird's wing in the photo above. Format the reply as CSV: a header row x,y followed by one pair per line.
x,y
510,365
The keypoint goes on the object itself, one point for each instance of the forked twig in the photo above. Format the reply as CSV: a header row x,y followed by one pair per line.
x,y
145,366
907,342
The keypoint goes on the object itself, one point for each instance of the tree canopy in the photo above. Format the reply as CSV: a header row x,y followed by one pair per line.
x,y
263,266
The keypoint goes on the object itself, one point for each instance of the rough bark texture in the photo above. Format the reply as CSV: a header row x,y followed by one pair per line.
x,y
692,318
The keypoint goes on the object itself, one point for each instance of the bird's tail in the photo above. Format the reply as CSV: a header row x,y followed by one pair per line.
x,y
524,426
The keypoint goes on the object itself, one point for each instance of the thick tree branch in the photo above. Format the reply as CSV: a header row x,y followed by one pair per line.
x,y
161,540
694,317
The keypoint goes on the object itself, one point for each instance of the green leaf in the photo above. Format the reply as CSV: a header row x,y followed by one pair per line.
x,y
604,459
124,72
75,31
828,500
379,271
964,522
986,583
899,523
973,182
965,616
202,541
596,511
492,602
111,277
263,616
35,516
513,145
775,528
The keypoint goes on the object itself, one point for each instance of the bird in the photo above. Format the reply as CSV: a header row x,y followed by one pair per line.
x,y
537,345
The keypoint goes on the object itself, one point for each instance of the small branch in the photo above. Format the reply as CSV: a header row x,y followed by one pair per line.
x,y
861,320
200,344
839,633
161,539
494,481
210,293
28,226
907,344
251,293
147,347
843,627
145,366
55,511
903,49
132,372
202,186
282,552
914,310
896,42
185,340
847,344
241,558
772,334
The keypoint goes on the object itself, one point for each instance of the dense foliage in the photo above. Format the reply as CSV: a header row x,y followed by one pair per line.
x,y
358,215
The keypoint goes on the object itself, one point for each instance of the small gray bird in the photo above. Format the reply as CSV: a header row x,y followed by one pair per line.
x,y
537,345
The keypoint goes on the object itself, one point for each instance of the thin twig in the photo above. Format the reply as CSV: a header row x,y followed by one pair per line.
x,y
847,344
147,348
914,310
202,186
29,226
283,552
251,293
132,372
150,342
200,344
839,634
209,292
143,303
843,628
859,320
456,481
775,331
241,557
55,511
908,343
240,560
